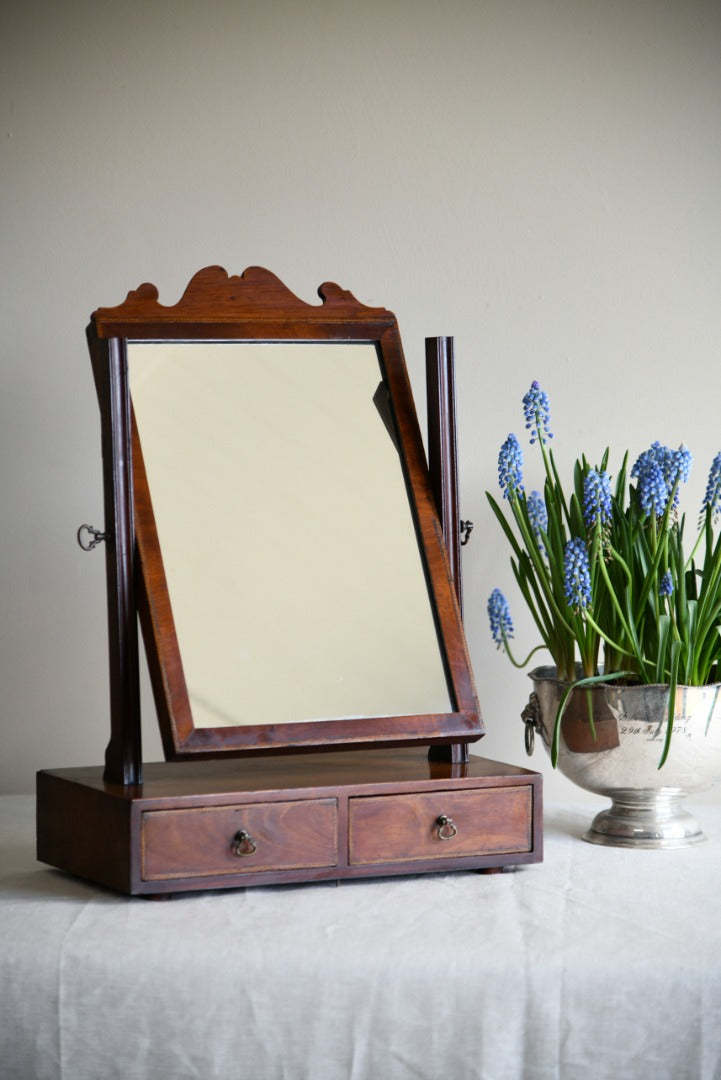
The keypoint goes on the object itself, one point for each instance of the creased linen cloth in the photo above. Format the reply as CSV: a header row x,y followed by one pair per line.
x,y
597,963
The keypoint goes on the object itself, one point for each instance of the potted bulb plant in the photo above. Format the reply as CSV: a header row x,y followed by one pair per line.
x,y
631,618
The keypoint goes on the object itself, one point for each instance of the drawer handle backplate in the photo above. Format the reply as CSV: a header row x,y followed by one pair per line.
x,y
446,827
243,843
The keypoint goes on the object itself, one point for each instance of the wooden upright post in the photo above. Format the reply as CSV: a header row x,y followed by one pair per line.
x,y
443,468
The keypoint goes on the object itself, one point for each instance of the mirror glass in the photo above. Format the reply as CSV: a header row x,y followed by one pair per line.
x,y
288,544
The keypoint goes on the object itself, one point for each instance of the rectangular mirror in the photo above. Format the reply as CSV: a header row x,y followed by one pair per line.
x,y
285,533
291,573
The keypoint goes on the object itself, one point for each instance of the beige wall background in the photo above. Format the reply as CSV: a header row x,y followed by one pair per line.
x,y
539,179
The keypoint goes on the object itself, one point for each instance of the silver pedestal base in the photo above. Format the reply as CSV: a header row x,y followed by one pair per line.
x,y
645,819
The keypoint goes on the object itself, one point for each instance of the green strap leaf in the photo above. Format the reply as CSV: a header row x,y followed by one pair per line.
x,y
673,683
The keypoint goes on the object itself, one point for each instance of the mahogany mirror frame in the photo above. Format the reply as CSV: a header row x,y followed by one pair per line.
x,y
255,306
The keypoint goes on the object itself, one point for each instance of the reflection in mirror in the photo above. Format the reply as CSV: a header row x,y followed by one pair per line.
x,y
293,569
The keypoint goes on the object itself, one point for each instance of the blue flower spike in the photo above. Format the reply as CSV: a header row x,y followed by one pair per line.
x,y
596,498
677,471
510,467
499,617
665,585
537,517
682,461
659,470
537,413
576,575
651,487
712,498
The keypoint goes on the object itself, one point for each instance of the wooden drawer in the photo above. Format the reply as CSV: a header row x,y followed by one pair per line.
x,y
408,828
198,842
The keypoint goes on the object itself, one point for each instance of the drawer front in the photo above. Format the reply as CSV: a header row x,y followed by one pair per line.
x,y
439,825
210,840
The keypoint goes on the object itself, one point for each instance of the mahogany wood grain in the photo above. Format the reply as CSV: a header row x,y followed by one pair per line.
x,y
173,833
258,306
443,475
408,828
442,448
298,835
123,757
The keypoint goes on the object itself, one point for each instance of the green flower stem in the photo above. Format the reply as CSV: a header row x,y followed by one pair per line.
x,y
707,531
709,611
538,563
518,663
602,633
536,585
657,549
554,482
535,601
625,622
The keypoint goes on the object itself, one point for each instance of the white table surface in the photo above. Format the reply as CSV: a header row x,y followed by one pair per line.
x,y
596,963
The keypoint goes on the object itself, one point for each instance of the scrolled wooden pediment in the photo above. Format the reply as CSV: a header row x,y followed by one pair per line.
x,y
213,297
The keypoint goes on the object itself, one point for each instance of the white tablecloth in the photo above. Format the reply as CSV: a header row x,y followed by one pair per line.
x,y
596,963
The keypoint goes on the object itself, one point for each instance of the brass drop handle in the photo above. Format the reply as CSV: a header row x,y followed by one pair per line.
x,y
243,843
446,827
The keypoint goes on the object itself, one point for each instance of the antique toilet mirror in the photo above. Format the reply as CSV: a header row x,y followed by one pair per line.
x,y
269,516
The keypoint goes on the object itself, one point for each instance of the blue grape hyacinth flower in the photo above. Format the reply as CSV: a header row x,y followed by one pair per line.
x,y
499,617
659,470
537,413
712,498
596,498
537,516
665,586
651,488
682,460
510,467
576,575
677,468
